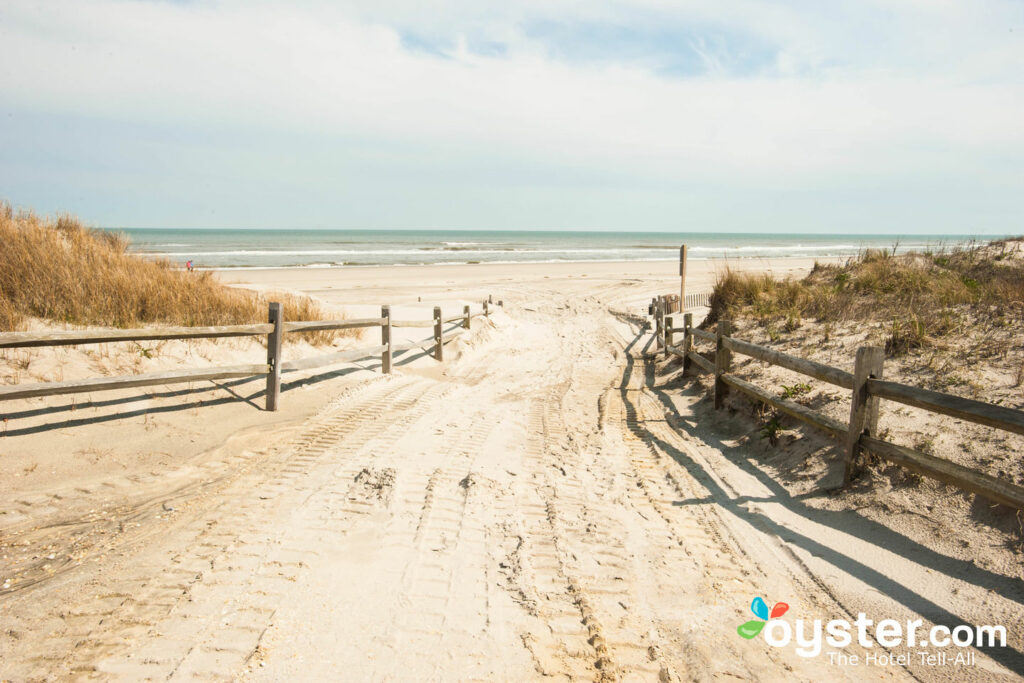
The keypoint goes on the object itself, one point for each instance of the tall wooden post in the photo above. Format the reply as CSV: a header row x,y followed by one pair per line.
x,y
863,408
682,278
687,339
668,334
438,345
723,361
465,317
274,342
487,309
385,340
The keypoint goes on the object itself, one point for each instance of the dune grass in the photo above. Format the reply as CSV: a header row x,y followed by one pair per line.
x,y
920,296
61,271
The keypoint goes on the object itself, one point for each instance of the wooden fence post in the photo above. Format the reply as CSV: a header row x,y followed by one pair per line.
x,y
274,342
723,361
465,317
487,309
490,298
385,340
438,345
657,322
682,278
863,408
668,334
662,308
687,340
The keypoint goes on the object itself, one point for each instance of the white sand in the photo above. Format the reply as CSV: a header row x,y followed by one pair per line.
x,y
532,508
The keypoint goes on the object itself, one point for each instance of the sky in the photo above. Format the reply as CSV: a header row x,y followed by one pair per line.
x,y
902,116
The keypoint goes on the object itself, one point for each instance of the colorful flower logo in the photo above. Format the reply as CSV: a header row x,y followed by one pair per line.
x,y
760,609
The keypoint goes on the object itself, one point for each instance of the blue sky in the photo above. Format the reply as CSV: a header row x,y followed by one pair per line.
x,y
867,116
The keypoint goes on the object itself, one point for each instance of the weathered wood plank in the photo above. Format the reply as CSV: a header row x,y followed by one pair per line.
x,y
701,362
984,485
12,340
723,362
703,334
385,340
1000,417
82,386
308,325
275,342
826,373
668,334
863,406
332,358
659,322
687,340
803,413
683,249
438,335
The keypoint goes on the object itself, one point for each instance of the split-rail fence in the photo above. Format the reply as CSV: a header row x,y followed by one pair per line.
x,y
274,329
867,388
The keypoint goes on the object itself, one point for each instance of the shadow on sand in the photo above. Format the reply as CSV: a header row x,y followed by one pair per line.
x,y
847,521
244,390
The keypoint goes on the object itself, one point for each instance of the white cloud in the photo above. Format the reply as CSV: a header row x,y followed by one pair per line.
x,y
853,90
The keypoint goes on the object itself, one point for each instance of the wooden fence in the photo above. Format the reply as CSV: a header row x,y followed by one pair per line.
x,y
275,329
669,303
860,433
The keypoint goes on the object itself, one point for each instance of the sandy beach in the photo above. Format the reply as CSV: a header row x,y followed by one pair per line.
x,y
511,341
537,506
139,429
405,284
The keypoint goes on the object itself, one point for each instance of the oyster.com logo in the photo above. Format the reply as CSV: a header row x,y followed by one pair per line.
x,y
759,607
879,640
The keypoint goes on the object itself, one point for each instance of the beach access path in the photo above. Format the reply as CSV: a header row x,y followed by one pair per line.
x,y
534,508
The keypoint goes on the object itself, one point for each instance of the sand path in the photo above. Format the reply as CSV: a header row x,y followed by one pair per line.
x,y
532,509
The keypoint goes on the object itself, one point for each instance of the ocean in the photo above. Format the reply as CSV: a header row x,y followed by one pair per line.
x,y
219,248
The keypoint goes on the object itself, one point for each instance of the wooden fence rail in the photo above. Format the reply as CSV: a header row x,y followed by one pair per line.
x,y
275,330
14,340
867,389
662,305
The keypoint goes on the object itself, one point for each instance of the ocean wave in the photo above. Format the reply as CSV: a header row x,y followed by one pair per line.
x,y
772,249
373,252
473,250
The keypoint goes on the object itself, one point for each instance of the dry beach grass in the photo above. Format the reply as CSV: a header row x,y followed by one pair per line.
x,y
926,299
60,271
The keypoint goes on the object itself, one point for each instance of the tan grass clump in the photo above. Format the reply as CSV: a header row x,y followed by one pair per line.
x,y
59,270
922,296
